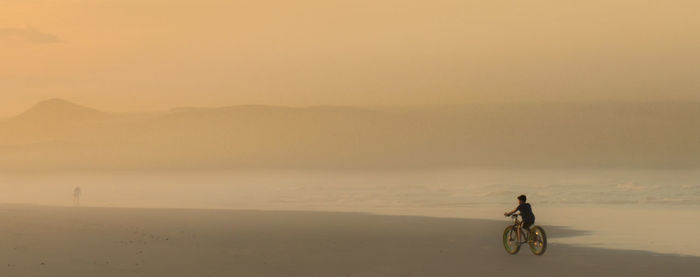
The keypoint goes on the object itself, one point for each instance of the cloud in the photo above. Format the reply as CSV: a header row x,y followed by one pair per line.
x,y
27,35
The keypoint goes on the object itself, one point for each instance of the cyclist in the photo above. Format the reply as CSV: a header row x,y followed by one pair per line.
x,y
525,213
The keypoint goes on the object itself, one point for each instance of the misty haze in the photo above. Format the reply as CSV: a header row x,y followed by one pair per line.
x,y
336,138
58,134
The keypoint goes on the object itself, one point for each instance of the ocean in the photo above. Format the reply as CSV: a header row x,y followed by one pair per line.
x,y
648,210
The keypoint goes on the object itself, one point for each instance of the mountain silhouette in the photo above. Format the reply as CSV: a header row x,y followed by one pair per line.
x,y
60,134
59,110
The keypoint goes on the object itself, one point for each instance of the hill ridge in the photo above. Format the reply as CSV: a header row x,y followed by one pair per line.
x,y
57,109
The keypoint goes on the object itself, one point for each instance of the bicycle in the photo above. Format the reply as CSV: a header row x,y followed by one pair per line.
x,y
537,239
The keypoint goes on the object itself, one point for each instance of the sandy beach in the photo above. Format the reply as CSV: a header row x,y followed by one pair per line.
x,y
64,241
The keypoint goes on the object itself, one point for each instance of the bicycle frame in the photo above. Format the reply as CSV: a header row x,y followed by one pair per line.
x,y
519,225
535,237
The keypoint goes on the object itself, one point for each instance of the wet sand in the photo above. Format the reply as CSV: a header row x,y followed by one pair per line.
x,y
61,241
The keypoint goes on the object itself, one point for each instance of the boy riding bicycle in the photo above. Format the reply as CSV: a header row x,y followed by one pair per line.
x,y
525,212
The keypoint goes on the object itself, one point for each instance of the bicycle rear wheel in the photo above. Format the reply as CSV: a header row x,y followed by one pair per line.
x,y
510,240
537,240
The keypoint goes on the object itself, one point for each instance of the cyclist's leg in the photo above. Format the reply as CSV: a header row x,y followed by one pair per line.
x,y
526,227
522,231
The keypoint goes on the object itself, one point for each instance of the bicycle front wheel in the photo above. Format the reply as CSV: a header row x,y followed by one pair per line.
x,y
537,240
510,240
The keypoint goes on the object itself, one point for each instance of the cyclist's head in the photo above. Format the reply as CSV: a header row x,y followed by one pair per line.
x,y
522,198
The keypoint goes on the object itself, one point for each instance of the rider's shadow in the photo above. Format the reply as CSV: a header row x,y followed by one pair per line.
x,y
565,232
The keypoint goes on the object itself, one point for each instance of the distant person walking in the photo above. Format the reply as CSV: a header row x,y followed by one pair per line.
x,y
76,196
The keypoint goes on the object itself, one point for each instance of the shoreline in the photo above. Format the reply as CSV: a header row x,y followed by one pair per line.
x,y
90,241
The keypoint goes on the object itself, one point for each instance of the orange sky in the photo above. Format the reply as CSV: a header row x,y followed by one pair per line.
x,y
126,55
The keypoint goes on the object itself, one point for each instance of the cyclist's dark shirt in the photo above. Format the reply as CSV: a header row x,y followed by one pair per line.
x,y
526,212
